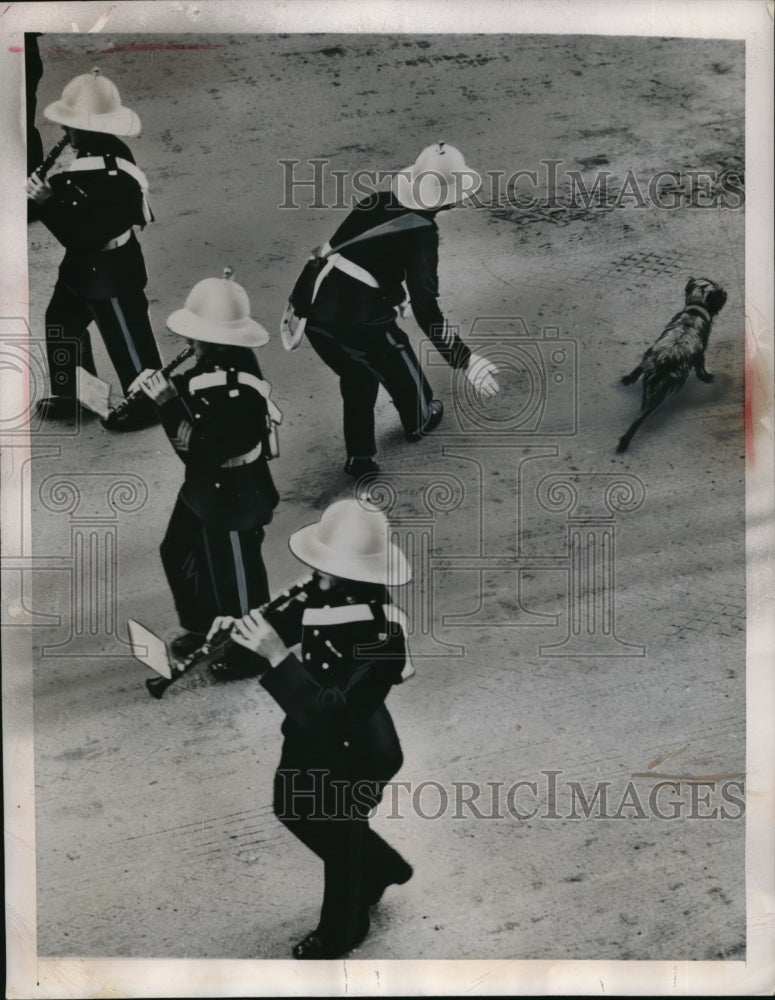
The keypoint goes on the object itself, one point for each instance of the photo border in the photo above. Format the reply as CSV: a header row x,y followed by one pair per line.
x,y
28,975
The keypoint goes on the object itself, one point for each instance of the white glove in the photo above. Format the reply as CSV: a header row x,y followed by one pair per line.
x,y
481,374
155,386
136,383
37,190
219,623
256,634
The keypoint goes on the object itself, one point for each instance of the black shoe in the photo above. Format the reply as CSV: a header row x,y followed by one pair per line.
x,y
357,467
397,874
434,419
313,947
186,643
132,421
57,408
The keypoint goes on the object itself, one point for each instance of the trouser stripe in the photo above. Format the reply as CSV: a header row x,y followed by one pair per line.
x,y
209,558
130,344
239,566
416,377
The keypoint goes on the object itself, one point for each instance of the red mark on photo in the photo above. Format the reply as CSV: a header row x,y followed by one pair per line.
x,y
159,47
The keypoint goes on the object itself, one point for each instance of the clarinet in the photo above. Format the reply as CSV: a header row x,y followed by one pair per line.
x,y
42,169
126,404
213,649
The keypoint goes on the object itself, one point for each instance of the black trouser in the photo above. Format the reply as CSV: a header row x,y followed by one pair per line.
x,y
33,73
364,358
126,330
211,570
328,812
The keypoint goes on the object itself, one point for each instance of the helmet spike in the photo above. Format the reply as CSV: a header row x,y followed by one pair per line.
x,y
228,273
96,71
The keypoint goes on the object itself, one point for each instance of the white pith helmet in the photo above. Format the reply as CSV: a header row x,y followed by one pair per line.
x,y
217,311
351,541
92,102
437,178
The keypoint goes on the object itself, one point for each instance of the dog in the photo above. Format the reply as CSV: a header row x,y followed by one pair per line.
x,y
679,348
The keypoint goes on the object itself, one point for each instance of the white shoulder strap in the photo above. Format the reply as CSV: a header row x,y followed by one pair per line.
x,y
87,163
341,615
398,617
133,170
136,173
209,380
260,385
98,163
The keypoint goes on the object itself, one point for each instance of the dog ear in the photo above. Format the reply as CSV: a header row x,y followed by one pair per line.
x,y
689,285
716,300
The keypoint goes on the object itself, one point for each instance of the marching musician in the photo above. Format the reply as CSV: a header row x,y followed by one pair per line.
x,y
351,322
340,745
92,207
221,422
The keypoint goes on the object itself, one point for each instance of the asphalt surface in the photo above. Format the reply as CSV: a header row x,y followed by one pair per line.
x,y
155,835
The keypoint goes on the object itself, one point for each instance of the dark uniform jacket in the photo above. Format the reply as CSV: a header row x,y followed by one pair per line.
x,y
220,425
353,650
409,258
100,197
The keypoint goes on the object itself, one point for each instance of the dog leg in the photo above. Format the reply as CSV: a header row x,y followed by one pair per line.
x,y
633,376
653,398
699,368
624,440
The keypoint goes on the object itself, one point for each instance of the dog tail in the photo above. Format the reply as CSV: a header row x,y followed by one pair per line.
x,y
659,387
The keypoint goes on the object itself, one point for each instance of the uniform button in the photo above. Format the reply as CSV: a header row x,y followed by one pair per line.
x,y
347,743
316,631
308,656
68,181
217,486
324,666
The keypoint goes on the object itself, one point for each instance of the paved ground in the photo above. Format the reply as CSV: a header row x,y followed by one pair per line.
x,y
154,829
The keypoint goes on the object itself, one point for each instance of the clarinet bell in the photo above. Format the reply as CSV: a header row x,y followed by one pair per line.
x,y
157,686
